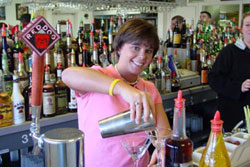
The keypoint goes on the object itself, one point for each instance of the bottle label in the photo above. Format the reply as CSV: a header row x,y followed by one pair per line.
x,y
204,76
47,77
163,82
15,56
80,59
49,103
9,87
73,101
23,83
177,39
18,112
5,114
61,100
168,84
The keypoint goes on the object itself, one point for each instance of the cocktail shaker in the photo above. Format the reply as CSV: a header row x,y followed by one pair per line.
x,y
121,124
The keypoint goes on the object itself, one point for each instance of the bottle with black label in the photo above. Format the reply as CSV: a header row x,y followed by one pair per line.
x,y
61,91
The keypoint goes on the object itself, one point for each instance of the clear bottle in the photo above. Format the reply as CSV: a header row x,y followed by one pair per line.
x,y
179,147
17,101
5,105
151,75
175,83
158,75
215,153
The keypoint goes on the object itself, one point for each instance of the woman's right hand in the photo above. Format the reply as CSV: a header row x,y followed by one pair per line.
x,y
245,85
140,102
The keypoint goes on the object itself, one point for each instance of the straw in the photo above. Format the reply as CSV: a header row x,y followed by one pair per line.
x,y
246,111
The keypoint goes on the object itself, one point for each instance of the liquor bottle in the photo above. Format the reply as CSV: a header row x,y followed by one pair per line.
x,y
95,55
176,36
5,104
151,75
49,106
21,73
175,83
16,49
204,72
61,92
47,69
168,42
72,96
158,75
167,76
104,56
215,153
8,50
8,79
17,101
179,147
183,34
79,57
27,99
69,45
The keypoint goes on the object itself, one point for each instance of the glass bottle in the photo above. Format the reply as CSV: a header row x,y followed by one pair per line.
x,y
215,153
61,92
49,107
21,73
168,42
151,75
158,75
27,99
72,96
104,56
8,79
17,101
175,83
5,104
179,147
176,36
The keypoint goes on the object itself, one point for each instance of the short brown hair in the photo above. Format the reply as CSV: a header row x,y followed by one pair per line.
x,y
243,18
178,18
137,30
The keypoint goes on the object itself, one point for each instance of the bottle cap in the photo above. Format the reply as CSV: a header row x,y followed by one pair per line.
x,y
179,100
216,122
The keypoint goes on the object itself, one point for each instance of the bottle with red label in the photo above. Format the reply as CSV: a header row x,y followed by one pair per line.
x,y
179,147
17,102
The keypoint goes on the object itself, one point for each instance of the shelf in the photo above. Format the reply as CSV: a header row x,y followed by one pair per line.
x,y
193,95
17,136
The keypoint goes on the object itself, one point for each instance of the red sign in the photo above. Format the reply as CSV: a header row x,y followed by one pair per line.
x,y
39,35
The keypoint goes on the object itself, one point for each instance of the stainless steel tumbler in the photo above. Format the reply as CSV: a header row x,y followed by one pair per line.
x,y
121,124
63,147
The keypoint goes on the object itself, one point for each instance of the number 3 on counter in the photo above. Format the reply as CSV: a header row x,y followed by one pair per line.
x,y
25,138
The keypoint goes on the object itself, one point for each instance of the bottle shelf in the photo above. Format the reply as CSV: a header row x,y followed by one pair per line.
x,y
193,95
17,136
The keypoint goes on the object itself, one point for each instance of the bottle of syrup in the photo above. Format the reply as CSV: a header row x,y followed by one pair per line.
x,y
215,153
179,147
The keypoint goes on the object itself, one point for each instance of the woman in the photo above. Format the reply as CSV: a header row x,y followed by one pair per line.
x,y
101,95
230,78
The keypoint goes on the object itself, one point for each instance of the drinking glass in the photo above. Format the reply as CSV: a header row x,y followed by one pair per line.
x,y
136,145
158,137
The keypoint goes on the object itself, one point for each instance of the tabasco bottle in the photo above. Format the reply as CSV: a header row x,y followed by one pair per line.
x,y
215,153
179,147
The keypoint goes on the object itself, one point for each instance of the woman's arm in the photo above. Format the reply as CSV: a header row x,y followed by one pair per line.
x,y
85,80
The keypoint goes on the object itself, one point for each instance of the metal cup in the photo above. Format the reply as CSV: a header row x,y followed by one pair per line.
x,y
64,147
121,124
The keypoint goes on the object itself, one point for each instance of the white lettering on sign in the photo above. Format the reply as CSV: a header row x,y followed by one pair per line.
x,y
37,28
25,138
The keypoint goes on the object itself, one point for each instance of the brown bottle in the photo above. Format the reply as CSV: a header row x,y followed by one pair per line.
x,y
61,92
48,101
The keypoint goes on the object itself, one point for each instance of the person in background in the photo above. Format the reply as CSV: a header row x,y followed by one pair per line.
x,y
205,17
230,78
24,19
178,19
103,92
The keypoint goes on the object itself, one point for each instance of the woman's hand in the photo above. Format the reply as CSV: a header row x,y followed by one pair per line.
x,y
153,159
140,102
245,85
